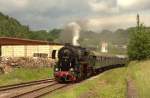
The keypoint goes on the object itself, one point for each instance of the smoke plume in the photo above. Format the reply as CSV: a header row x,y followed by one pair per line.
x,y
71,33
76,32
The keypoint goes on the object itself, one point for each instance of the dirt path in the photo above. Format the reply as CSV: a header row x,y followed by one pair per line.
x,y
131,89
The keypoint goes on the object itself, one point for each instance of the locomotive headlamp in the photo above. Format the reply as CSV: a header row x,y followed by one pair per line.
x,y
56,69
71,69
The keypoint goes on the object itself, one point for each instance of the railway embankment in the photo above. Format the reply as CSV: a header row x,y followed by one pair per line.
x,y
131,81
138,73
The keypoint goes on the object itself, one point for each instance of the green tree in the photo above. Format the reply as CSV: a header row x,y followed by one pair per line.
x,y
139,44
53,34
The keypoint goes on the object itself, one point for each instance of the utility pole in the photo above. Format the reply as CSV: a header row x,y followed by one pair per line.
x,y
138,21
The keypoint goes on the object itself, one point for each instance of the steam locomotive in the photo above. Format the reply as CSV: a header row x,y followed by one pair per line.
x,y
76,63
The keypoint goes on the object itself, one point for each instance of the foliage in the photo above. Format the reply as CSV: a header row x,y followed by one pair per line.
x,y
10,27
139,44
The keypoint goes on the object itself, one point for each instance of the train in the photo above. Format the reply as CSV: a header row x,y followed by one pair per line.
x,y
76,63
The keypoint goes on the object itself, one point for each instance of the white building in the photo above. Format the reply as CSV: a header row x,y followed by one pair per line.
x,y
104,48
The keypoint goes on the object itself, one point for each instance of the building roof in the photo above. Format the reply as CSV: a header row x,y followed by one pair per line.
x,y
20,41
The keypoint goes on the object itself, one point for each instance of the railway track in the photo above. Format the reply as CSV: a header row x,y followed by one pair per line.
x,y
33,89
13,86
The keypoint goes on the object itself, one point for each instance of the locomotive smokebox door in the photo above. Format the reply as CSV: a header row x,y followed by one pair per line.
x,y
54,54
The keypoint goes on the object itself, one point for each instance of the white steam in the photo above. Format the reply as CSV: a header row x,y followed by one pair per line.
x,y
76,32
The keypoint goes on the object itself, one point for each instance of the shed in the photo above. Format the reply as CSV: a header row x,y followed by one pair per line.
x,y
17,47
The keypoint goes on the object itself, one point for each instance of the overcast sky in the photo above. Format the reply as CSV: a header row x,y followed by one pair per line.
x,y
95,14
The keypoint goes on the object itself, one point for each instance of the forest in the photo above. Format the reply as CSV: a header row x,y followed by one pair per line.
x,y
10,27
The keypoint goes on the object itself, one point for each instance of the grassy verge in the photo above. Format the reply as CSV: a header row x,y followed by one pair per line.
x,y
25,74
110,84
140,74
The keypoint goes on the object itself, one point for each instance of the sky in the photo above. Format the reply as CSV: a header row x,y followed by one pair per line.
x,y
91,14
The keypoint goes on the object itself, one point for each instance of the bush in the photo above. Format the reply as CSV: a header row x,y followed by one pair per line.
x,y
139,44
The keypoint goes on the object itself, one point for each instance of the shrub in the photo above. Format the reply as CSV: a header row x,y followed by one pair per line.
x,y
139,44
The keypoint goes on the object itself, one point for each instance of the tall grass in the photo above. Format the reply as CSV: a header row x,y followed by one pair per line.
x,y
140,73
25,74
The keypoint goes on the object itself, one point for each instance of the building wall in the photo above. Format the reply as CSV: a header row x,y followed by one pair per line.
x,y
18,51
7,51
28,50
